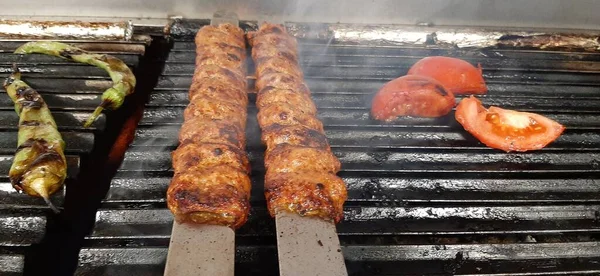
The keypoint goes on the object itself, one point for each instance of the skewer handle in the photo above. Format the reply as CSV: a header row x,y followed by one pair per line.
x,y
308,246
201,250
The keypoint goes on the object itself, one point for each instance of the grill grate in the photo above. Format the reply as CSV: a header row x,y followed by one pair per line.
x,y
424,196
72,91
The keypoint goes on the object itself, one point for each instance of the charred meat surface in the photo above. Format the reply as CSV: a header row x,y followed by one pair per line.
x,y
272,96
202,130
295,135
215,195
215,72
211,184
220,91
300,176
281,81
286,158
205,107
284,65
311,193
217,58
193,156
287,114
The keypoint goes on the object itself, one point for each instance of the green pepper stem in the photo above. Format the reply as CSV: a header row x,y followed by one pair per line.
x,y
94,116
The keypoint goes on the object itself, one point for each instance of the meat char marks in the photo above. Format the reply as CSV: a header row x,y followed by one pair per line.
x,y
301,169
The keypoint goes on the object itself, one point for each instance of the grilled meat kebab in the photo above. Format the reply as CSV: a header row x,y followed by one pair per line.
x,y
123,79
300,167
211,184
39,167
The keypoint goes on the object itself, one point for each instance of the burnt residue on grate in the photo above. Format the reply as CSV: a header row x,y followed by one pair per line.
x,y
72,92
424,196
185,29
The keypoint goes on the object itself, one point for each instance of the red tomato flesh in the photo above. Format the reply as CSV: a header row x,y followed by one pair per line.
x,y
504,129
412,96
455,74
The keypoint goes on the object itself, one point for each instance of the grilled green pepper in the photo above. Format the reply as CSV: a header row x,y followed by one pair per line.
x,y
122,77
39,167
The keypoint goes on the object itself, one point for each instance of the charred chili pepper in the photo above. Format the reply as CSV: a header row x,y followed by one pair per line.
x,y
122,77
39,167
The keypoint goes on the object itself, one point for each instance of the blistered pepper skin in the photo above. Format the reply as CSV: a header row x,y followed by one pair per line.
x,y
123,78
39,167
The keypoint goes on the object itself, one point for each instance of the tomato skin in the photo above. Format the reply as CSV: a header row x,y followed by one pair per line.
x,y
486,127
412,96
455,74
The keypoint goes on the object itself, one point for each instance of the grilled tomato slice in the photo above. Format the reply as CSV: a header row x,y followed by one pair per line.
x,y
455,74
412,96
504,129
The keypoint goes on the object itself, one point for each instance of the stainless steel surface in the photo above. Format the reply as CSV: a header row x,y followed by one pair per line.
x,y
308,246
513,13
223,16
28,29
440,36
201,250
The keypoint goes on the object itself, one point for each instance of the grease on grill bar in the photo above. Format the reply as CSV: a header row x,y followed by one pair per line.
x,y
423,195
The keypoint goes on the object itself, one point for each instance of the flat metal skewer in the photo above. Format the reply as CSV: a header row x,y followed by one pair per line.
x,y
308,246
201,250
204,250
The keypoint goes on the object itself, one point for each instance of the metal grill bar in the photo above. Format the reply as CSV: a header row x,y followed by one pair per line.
x,y
385,160
397,191
371,259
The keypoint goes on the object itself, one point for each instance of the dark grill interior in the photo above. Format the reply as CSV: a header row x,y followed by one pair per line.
x,y
424,196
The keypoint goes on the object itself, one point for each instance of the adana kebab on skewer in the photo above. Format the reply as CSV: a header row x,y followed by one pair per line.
x,y
301,169
211,183
123,79
39,167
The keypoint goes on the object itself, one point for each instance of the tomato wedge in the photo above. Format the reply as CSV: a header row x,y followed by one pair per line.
x,y
411,96
455,74
504,129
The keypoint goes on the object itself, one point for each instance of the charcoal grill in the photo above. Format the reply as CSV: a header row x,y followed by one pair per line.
x,y
424,196
72,92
